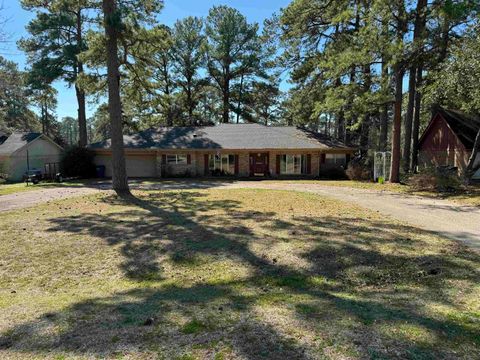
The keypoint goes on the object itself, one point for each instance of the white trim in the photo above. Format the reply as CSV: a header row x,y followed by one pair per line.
x,y
177,161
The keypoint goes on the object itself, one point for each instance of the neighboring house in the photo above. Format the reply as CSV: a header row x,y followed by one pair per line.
x,y
20,151
234,149
448,140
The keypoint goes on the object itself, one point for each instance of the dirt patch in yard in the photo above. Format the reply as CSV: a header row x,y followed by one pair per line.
x,y
24,199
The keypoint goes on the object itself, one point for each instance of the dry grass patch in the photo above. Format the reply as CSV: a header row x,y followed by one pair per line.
x,y
230,274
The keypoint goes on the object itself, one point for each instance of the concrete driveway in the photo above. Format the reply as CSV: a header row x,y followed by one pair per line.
x,y
446,218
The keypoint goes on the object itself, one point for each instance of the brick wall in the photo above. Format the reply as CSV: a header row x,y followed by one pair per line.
x,y
166,169
197,162
244,164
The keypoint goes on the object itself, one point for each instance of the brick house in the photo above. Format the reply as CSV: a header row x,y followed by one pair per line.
x,y
243,150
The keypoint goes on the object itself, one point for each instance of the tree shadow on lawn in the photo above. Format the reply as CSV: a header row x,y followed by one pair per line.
x,y
349,292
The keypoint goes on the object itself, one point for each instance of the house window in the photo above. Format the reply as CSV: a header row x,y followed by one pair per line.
x,y
336,159
176,159
293,164
224,163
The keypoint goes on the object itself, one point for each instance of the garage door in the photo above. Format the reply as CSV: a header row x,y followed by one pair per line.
x,y
140,166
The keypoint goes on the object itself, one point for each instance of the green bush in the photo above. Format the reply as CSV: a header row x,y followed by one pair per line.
x,y
78,162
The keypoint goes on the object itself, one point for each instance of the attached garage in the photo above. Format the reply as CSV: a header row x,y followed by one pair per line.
x,y
138,165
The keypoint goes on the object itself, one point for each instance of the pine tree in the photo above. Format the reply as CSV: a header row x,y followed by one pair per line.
x,y
232,50
188,53
123,22
55,42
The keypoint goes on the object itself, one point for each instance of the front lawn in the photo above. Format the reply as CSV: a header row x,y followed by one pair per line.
x,y
230,274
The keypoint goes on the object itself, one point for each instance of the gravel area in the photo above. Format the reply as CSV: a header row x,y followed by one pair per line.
x,y
25,199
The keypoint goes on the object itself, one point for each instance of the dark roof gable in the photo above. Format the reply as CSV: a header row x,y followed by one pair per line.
x,y
15,141
226,136
463,125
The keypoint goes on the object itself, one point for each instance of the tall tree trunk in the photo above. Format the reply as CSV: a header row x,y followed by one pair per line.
x,y
416,119
399,72
166,78
341,126
397,124
354,119
349,121
44,120
383,136
239,103
226,100
418,35
340,123
190,103
119,178
445,39
47,125
82,115
365,135
365,129
409,119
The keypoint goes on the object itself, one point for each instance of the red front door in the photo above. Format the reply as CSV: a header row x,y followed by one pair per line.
x,y
258,164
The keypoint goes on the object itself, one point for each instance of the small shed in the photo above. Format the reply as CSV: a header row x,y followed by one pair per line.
x,y
448,140
22,151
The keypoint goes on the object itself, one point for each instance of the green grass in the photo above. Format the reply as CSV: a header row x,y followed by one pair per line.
x,y
6,189
193,327
227,274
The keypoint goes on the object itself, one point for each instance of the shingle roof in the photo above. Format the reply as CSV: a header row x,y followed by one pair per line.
x,y
15,141
226,136
463,125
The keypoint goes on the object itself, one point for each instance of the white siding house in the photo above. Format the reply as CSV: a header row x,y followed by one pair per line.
x,y
22,150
